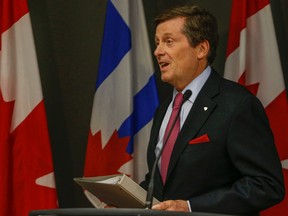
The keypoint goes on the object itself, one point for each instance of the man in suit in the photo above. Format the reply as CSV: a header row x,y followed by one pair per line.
x,y
224,158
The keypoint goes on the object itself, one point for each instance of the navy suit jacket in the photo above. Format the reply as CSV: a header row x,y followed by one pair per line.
x,y
224,159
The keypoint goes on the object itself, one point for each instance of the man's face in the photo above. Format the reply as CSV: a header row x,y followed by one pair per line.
x,y
177,59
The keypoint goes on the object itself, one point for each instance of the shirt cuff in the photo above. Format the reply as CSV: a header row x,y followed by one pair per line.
x,y
189,206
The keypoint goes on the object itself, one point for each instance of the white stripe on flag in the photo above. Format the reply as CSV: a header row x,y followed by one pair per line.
x,y
17,49
116,89
263,56
259,56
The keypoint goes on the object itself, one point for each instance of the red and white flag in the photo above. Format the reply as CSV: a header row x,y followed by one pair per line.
x,y
253,60
26,168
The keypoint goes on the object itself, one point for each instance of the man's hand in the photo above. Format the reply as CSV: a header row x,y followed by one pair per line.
x,y
172,205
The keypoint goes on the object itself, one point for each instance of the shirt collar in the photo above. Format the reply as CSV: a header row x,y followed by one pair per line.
x,y
196,85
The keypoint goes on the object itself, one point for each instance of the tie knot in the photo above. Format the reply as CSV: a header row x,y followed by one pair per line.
x,y
177,101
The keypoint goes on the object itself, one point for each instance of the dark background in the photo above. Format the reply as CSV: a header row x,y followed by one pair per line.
x,y
68,36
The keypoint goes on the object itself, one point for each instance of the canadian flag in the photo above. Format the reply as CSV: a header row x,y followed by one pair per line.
x,y
26,168
253,60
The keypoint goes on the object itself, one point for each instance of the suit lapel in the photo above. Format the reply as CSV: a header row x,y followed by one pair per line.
x,y
201,110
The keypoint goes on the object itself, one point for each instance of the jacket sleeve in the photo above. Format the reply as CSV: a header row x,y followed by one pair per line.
x,y
251,148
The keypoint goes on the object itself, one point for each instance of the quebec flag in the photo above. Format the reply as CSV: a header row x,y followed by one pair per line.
x,y
126,96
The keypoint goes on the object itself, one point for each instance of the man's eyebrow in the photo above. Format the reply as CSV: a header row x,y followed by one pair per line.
x,y
165,35
168,34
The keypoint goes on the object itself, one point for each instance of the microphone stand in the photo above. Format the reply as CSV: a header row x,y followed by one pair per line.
x,y
150,190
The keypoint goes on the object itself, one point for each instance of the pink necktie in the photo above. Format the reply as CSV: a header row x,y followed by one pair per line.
x,y
165,158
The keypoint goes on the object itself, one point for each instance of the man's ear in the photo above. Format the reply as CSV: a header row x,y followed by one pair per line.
x,y
203,49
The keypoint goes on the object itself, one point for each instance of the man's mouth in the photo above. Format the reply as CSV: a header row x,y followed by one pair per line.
x,y
163,65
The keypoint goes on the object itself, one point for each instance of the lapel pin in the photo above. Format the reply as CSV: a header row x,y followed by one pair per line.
x,y
205,108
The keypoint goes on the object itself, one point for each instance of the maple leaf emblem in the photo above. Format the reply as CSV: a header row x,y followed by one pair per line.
x,y
108,160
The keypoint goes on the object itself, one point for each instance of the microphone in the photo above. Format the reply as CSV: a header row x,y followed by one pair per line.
x,y
150,190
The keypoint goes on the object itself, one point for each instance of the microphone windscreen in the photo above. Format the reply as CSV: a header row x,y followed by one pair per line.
x,y
187,94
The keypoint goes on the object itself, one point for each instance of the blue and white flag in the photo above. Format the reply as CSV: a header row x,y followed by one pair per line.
x,y
126,96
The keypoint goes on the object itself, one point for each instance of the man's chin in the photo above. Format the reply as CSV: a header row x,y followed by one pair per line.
x,y
164,79
168,81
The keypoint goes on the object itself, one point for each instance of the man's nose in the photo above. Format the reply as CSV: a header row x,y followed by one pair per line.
x,y
159,50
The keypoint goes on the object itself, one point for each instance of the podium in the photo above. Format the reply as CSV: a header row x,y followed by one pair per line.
x,y
116,212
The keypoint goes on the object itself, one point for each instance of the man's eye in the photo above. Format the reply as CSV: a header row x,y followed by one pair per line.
x,y
169,41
